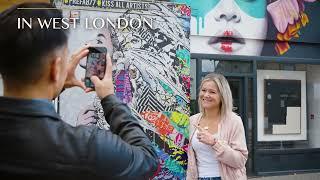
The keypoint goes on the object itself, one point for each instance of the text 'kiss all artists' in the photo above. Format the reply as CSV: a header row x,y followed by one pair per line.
x,y
108,4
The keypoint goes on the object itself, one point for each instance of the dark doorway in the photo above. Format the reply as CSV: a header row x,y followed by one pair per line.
x,y
236,86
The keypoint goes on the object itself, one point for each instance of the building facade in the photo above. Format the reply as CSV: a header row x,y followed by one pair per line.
x,y
270,53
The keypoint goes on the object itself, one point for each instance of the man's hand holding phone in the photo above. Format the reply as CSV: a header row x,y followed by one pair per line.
x,y
96,64
71,80
104,86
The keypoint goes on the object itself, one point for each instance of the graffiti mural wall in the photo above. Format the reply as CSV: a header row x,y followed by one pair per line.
x,y
149,45
254,28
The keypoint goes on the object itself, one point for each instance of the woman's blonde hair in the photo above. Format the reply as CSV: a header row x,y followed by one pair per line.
x,y
224,92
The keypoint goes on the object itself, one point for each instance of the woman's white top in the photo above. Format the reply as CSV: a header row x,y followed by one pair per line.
x,y
208,165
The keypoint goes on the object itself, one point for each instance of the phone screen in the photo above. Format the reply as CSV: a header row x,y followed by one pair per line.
x,y
96,64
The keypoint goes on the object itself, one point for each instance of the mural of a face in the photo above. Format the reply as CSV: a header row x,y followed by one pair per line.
x,y
93,113
102,39
229,26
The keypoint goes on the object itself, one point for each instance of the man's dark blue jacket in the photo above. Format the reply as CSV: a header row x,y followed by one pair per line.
x,y
37,144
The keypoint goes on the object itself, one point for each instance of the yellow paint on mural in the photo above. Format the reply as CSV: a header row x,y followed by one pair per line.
x,y
4,4
180,119
177,150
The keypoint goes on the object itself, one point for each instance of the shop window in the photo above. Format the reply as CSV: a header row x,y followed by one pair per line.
x,y
300,67
288,67
288,106
269,66
193,87
282,106
233,67
208,65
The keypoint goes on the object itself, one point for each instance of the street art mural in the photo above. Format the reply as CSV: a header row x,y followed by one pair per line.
x,y
288,17
241,27
151,68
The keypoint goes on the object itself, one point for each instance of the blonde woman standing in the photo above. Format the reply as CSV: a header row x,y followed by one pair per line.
x,y
217,140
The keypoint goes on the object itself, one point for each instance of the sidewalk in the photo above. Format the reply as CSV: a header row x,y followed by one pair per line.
x,y
306,176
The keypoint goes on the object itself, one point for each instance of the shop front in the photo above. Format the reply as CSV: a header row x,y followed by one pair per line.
x,y
278,102
272,64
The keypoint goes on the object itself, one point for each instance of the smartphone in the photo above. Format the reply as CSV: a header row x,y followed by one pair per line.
x,y
96,64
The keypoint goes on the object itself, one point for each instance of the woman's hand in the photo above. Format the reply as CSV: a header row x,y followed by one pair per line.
x,y
205,137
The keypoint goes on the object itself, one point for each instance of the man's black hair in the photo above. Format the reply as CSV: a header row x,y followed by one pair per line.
x,y
22,51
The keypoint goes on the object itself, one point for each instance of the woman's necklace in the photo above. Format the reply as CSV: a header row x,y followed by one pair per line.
x,y
207,124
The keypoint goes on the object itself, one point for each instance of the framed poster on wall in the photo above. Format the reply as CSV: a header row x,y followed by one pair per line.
x,y
281,105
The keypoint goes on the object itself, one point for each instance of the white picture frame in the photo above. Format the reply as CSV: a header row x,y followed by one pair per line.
x,y
281,75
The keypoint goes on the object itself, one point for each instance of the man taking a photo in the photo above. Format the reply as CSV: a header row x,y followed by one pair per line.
x,y
35,141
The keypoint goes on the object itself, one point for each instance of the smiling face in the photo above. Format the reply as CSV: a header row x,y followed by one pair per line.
x,y
209,95
230,26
